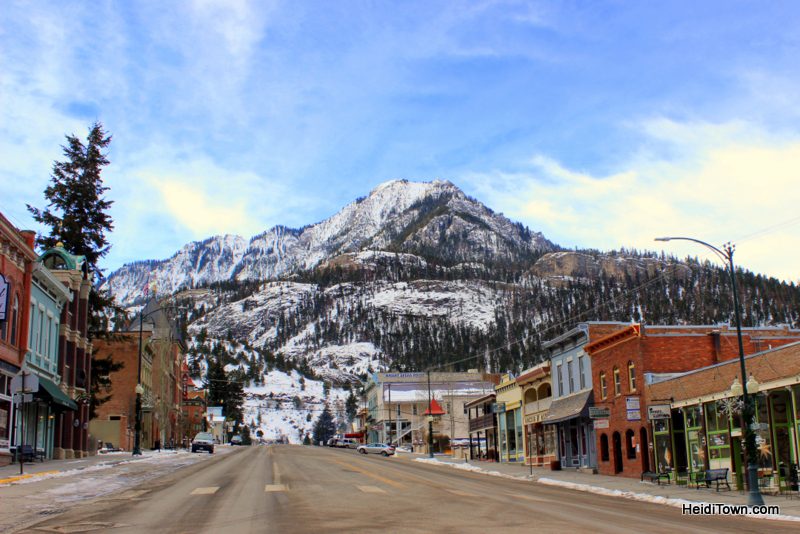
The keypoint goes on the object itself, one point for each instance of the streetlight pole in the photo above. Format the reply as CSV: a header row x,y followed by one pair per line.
x,y
754,497
430,418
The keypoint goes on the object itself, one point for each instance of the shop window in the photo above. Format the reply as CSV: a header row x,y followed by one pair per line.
x,y
603,386
604,447
617,385
631,376
629,447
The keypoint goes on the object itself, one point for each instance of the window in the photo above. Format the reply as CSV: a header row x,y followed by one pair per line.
x,y
580,372
14,314
617,385
570,373
629,446
559,386
414,409
603,447
603,387
631,376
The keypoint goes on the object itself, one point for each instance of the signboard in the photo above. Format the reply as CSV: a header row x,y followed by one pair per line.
x,y
22,397
658,411
31,383
631,403
499,407
4,285
599,413
600,423
634,415
214,411
403,375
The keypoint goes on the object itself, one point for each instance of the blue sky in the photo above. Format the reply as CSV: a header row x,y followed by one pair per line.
x,y
601,124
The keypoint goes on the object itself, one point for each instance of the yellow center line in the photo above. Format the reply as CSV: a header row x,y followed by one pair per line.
x,y
371,475
276,473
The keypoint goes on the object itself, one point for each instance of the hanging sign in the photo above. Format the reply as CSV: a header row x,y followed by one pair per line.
x,y
3,297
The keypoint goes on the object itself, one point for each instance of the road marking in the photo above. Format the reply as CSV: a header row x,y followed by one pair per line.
x,y
210,490
371,489
276,473
274,487
461,493
371,475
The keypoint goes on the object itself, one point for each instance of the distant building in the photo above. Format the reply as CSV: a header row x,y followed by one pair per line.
x,y
396,403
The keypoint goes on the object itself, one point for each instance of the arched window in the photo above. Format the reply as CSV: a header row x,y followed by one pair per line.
x,y
631,376
604,447
631,449
14,316
617,385
603,386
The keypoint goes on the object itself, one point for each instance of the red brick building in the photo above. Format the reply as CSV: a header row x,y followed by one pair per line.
x,y
16,267
161,359
622,363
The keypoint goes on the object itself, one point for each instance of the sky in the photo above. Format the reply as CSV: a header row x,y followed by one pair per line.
x,y
602,124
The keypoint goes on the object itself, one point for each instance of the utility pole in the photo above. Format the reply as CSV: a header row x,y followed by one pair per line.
x,y
389,441
430,418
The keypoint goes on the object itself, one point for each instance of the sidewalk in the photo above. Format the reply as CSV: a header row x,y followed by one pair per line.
x,y
623,487
9,474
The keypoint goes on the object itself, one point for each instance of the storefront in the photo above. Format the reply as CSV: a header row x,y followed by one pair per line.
x,y
540,439
510,429
704,430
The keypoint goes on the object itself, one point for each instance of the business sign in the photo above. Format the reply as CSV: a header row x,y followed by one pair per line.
x,y
658,411
214,411
600,423
403,375
499,407
599,413
634,415
24,382
3,297
632,403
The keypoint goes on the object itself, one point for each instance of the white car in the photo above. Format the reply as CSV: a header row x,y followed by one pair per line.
x,y
380,448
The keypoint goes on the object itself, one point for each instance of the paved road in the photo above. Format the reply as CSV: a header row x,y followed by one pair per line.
x,y
291,489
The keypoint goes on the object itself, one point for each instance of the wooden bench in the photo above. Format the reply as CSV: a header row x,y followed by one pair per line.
x,y
720,476
657,477
27,453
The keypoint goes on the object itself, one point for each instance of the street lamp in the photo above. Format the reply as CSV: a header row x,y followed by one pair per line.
x,y
137,451
726,254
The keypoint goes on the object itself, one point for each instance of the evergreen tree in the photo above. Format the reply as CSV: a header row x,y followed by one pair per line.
x,y
351,407
77,211
324,428
224,389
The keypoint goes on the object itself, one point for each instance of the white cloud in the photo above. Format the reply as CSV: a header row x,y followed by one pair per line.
x,y
715,182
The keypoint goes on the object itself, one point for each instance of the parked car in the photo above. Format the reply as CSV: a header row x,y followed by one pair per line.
x,y
236,440
379,448
332,442
347,443
203,441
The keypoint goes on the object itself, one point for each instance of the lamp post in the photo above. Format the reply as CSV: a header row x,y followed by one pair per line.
x,y
430,418
137,450
754,497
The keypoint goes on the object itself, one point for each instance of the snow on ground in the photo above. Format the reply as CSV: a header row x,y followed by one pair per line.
x,y
282,407
469,467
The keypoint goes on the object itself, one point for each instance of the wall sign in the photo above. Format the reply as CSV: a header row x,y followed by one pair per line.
x,y
634,415
599,413
600,423
658,411
631,403
4,286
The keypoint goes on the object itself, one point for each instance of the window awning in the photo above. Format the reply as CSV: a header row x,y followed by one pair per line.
x,y
49,390
568,407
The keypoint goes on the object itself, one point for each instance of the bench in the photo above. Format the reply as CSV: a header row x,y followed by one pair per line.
x,y
27,453
720,476
657,477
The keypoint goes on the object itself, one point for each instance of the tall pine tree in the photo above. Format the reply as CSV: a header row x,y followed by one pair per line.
x,y
77,211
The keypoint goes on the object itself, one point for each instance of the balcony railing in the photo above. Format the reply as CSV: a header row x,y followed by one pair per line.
x,y
538,406
481,422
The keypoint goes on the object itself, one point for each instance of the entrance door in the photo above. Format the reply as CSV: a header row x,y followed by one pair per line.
x,y
644,450
617,443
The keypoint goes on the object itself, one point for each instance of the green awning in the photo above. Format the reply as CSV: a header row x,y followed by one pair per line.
x,y
58,397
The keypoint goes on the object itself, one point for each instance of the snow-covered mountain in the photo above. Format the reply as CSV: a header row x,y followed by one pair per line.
x,y
416,219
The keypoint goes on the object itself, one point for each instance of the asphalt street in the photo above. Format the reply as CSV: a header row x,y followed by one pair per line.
x,y
294,489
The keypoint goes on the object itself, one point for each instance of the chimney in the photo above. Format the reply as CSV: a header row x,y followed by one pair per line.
x,y
29,236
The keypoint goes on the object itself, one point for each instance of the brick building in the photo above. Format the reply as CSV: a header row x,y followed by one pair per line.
x,y
161,359
16,265
624,360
